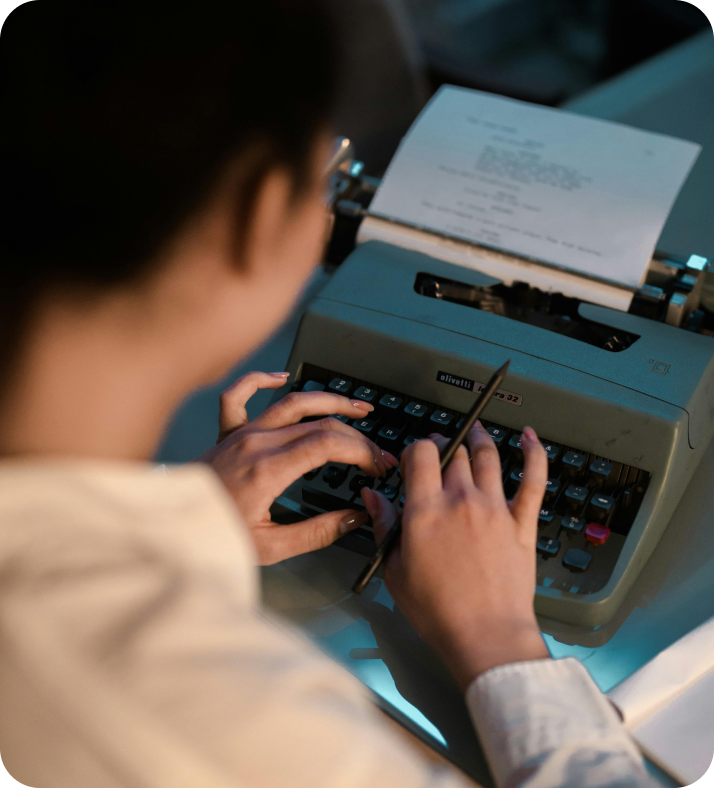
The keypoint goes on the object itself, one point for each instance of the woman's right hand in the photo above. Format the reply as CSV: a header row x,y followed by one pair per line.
x,y
464,572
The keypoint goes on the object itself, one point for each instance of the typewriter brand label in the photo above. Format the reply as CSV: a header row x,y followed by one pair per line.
x,y
474,385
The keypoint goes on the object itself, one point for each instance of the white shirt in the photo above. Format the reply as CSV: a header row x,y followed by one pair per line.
x,y
134,654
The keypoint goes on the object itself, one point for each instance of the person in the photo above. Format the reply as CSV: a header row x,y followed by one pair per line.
x,y
161,198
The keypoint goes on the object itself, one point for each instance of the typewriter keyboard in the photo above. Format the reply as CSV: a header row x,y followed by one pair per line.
x,y
589,505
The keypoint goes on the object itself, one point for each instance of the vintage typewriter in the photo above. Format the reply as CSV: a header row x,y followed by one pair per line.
x,y
623,401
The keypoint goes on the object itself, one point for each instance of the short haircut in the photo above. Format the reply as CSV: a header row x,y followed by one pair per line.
x,y
119,118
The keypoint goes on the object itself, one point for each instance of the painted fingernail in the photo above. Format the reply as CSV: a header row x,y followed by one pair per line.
x,y
390,458
280,374
358,403
352,521
529,434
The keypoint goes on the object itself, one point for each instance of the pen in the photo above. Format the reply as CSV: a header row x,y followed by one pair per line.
x,y
447,454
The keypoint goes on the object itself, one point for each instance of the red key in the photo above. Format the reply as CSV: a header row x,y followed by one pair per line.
x,y
597,534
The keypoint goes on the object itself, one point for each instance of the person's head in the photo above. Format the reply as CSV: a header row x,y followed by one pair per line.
x,y
160,166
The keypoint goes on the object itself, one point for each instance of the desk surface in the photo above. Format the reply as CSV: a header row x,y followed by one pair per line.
x,y
426,751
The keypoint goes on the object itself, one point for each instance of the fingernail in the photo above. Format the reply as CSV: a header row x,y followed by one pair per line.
x,y
369,499
352,521
529,434
390,458
358,403
280,374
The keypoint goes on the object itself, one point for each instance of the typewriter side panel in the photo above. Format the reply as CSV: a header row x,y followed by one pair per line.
x,y
565,406
701,409
660,500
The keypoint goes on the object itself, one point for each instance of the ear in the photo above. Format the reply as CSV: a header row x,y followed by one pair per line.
x,y
268,223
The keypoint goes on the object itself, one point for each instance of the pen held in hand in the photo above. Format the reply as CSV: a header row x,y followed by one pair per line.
x,y
387,544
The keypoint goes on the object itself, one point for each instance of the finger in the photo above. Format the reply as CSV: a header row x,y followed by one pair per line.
x,y
529,498
233,400
485,461
288,435
297,405
458,475
420,471
277,542
278,469
383,514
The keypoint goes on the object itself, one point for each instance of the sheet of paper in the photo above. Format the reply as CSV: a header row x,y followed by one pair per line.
x,y
668,705
680,737
666,676
579,193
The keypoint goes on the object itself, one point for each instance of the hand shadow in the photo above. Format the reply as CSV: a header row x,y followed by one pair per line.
x,y
312,591
422,679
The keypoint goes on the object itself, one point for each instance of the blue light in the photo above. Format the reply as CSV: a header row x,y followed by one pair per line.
x,y
697,262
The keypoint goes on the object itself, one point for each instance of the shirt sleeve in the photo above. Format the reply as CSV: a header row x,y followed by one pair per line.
x,y
545,724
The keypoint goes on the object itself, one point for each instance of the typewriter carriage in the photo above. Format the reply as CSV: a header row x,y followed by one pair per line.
x,y
677,291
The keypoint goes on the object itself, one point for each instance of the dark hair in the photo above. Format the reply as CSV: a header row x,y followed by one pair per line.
x,y
119,117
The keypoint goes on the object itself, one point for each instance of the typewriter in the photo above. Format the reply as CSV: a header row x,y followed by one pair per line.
x,y
623,401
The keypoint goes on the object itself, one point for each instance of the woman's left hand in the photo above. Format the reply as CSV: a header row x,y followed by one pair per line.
x,y
257,460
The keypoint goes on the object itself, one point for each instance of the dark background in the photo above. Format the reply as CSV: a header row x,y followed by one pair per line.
x,y
398,52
